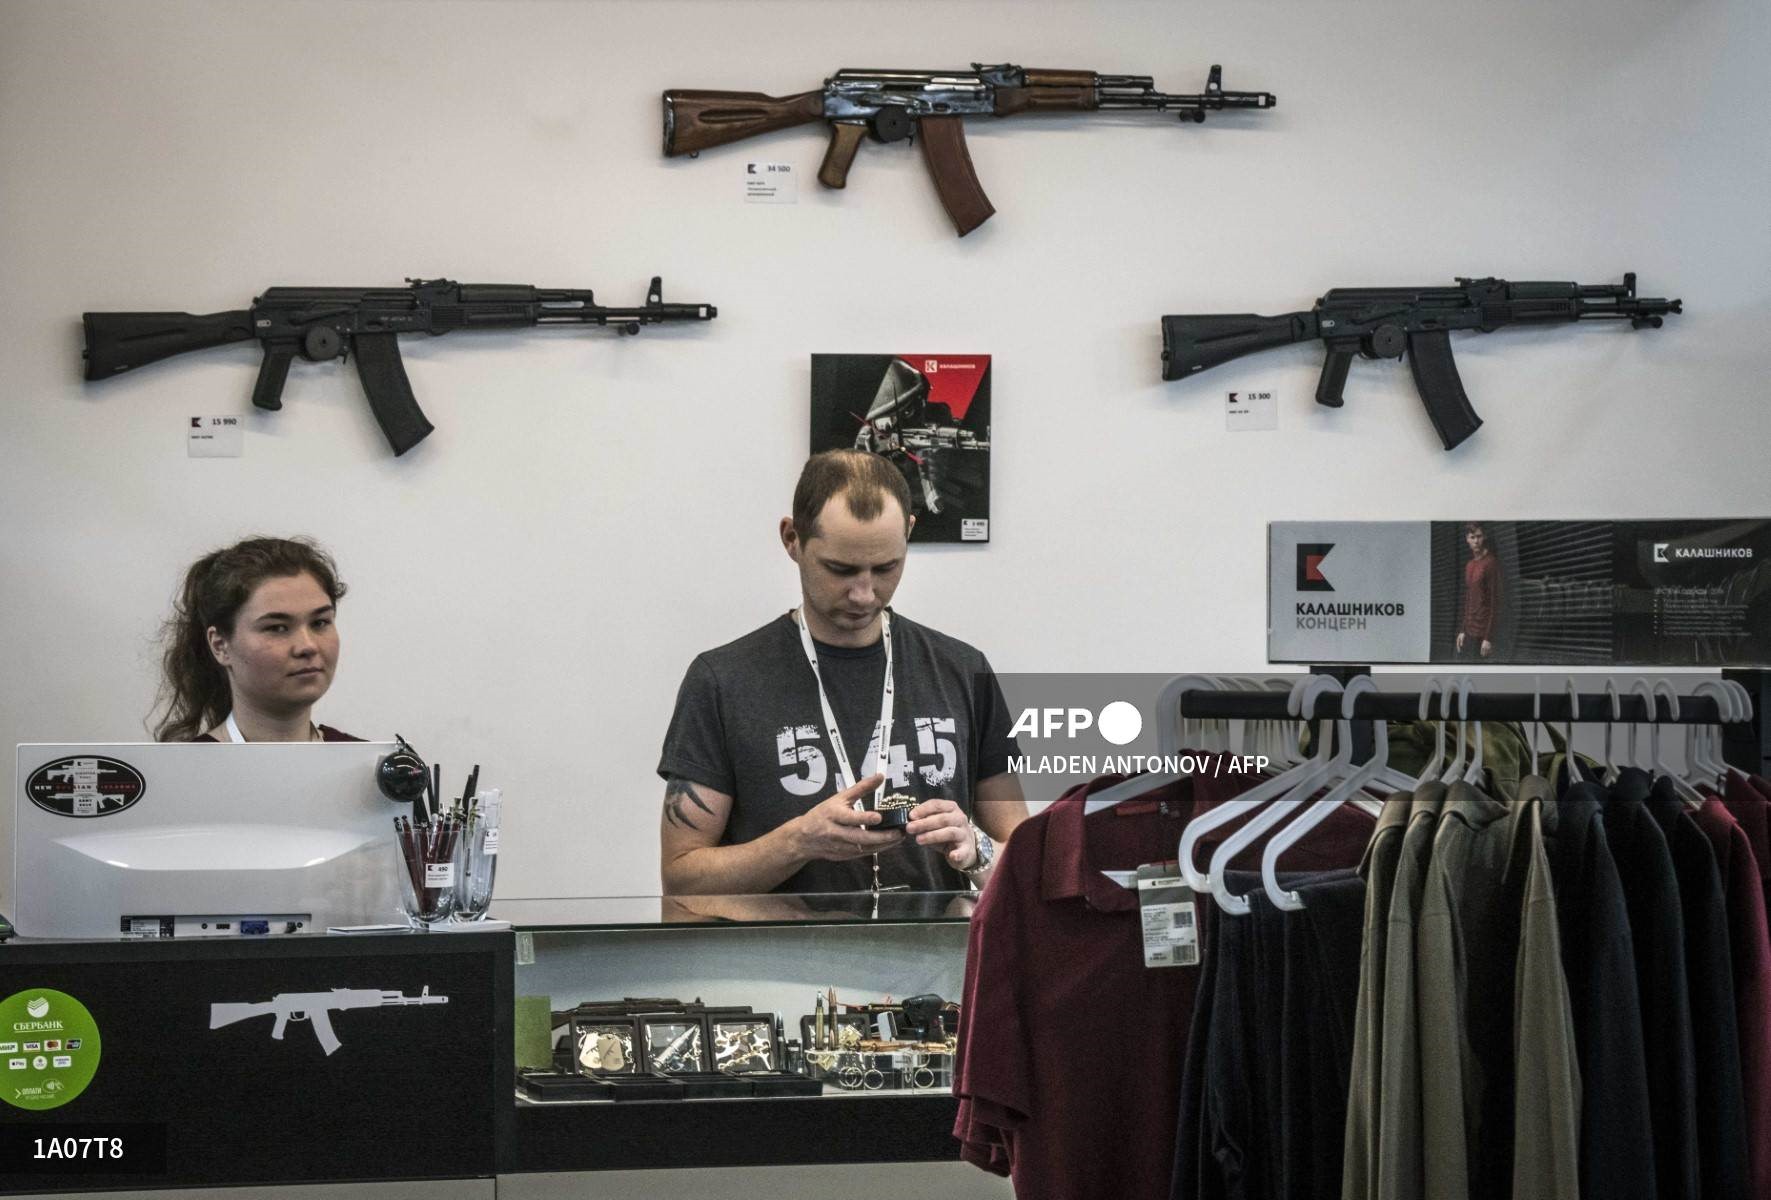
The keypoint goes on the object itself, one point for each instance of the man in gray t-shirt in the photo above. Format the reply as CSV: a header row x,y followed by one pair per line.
x,y
754,800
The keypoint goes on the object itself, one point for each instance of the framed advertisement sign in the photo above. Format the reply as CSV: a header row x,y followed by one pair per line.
x,y
1672,593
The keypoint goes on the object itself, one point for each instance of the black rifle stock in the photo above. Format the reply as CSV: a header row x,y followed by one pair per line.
x,y
897,105
1415,323
326,323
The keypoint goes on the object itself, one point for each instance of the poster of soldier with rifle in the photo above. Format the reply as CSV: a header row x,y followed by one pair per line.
x,y
929,415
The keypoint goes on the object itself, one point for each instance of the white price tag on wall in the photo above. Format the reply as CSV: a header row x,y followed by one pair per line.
x,y
770,183
214,437
1246,412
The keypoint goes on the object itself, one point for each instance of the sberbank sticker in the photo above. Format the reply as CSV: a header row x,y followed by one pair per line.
x,y
49,1049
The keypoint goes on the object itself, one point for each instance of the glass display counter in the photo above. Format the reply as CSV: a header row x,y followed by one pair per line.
x,y
735,1030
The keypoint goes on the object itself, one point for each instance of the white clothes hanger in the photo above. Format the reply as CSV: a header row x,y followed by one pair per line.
x,y
1610,777
1473,774
1568,753
1743,711
1302,701
1311,777
1692,797
1455,767
1269,736
1169,722
1244,735
1285,732
1644,689
1703,742
1341,793
1433,688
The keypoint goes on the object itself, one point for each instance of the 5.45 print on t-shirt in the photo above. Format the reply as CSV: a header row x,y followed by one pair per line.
x,y
805,757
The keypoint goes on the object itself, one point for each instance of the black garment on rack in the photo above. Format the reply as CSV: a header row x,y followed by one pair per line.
x,y
1321,1003
1195,1176
1269,1056
1709,973
1657,930
1599,961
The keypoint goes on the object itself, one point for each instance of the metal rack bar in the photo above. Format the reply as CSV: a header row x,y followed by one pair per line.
x,y
1483,706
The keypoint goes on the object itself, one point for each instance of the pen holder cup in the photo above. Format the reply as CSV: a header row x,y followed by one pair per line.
x,y
427,879
476,862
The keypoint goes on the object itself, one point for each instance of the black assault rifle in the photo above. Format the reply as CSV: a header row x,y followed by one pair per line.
x,y
321,323
1386,322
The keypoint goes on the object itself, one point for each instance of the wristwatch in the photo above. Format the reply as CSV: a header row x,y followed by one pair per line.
x,y
986,853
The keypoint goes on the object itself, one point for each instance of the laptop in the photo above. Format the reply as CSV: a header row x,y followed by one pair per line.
x,y
182,839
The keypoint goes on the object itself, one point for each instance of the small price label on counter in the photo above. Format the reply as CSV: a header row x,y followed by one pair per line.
x,y
1170,915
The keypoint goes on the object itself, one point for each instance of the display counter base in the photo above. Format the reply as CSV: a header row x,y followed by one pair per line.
x,y
790,1131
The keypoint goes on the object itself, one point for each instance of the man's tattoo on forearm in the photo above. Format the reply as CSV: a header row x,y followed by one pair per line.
x,y
679,793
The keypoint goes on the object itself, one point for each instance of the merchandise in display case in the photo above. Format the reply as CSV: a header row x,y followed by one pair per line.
x,y
798,1025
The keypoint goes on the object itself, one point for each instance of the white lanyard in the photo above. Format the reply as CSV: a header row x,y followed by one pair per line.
x,y
882,730
234,735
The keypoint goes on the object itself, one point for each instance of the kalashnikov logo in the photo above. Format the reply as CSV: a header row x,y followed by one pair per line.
x,y
1309,576
1666,552
38,1008
85,787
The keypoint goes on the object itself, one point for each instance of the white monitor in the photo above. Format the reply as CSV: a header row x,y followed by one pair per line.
x,y
201,839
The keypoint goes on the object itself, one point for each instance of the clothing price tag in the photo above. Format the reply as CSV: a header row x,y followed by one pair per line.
x,y
770,183
439,875
1170,916
1246,412
215,437
491,843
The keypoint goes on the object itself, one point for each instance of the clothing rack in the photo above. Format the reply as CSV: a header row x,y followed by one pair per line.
x,y
1746,744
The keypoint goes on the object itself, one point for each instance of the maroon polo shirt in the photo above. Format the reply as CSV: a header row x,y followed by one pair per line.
x,y
1749,939
1750,802
1070,1049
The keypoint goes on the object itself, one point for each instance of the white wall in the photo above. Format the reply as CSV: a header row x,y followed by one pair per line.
x,y
528,586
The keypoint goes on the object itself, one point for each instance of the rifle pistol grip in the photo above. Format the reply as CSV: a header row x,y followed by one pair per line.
x,y
1334,375
273,372
845,141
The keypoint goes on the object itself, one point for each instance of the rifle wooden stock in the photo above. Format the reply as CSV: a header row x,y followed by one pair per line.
x,y
697,120
950,166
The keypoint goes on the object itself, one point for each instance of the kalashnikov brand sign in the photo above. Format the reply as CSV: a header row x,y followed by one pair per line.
x,y
1651,593
1345,591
